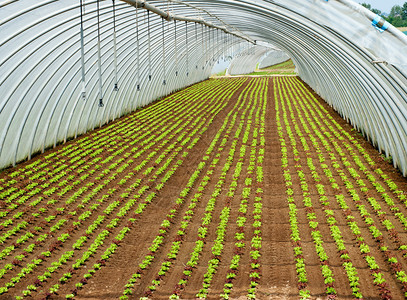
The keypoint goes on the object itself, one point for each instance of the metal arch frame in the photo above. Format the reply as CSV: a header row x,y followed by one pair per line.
x,y
327,59
66,112
56,103
27,90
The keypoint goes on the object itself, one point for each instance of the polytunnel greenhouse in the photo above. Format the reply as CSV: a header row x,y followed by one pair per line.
x,y
223,149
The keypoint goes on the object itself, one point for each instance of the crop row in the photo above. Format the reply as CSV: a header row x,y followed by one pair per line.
x,y
246,110
323,133
153,180
176,244
88,208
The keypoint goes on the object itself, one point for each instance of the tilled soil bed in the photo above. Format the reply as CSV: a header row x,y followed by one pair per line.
x,y
231,188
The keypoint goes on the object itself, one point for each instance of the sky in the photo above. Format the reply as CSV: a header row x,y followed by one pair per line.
x,y
383,5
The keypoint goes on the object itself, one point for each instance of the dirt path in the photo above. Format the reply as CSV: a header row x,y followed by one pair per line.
x,y
278,269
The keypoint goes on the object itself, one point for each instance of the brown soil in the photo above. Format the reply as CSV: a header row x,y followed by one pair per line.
x,y
217,117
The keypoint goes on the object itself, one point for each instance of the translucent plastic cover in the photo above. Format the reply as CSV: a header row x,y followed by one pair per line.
x,y
67,68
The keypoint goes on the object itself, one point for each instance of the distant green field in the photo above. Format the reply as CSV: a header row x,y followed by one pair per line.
x,y
222,73
273,73
284,68
284,65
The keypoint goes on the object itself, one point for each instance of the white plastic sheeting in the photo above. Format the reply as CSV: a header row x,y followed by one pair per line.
x,y
273,57
358,69
245,61
51,86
